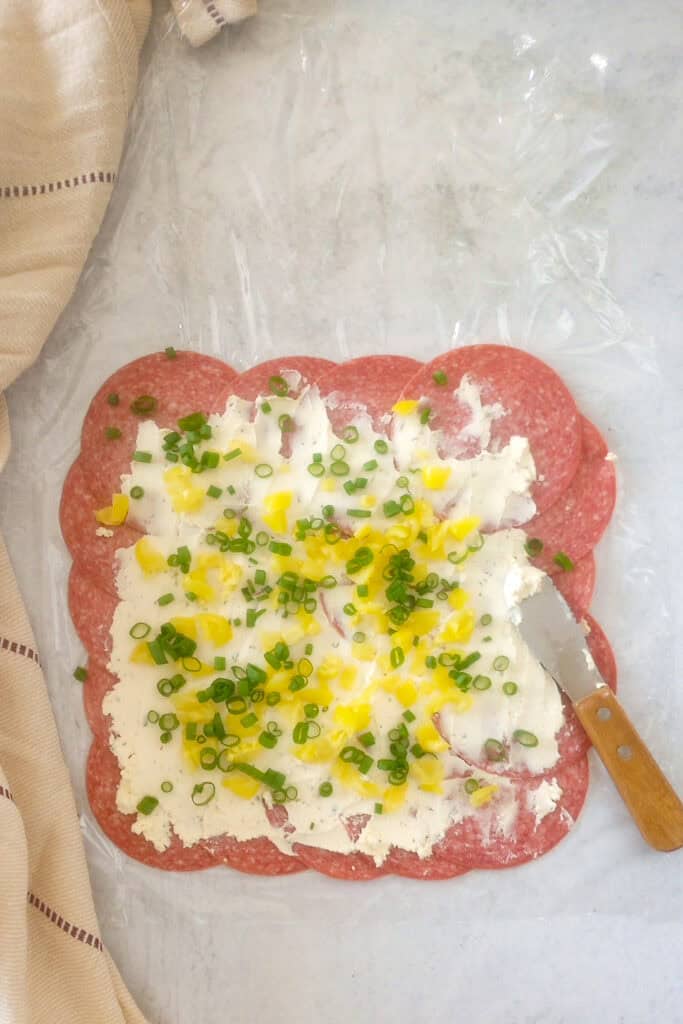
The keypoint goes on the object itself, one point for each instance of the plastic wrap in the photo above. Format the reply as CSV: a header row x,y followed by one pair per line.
x,y
342,180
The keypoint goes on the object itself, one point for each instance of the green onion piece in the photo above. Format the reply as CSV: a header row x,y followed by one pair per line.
x,y
291,792
379,808
325,789
219,663
328,582
501,663
417,750
203,793
280,548
358,637
266,407
191,664
370,465
142,456
143,404
440,378
249,720
367,739
112,433
261,538
153,717
381,446
359,513
328,511
362,590
168,722
194,421
316,469
481,683
298,683
285,422
279,796
407,504
208,758
471,786
191,731
397,657
338,452
170,352
350,434
478,544
464,663
233,454
165,599
113,398
263,470
213,491
166,786
486,620
139,630
278,385
510,688
495,750
147,805
300,732
365,763
273,698
526,738
80,674
349,608
564,561
391,509
157,651
408,715
304,667
137,492
533,547
267,740
311,710
339,468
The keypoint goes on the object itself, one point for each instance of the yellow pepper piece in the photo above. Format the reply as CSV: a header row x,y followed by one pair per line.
x,y
186,625
184,494
428,736
394,797
428,773
352,717
149,558
116,513
140,654
483,795
458,598
242,786
435,478
350,777
215,628
195,583
405,407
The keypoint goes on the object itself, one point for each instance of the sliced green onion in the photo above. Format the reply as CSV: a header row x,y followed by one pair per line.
x,y
501,663
153,717
261,538
481,683
166,786
370,465
213,491
367,739
143,404
430,661
168,722
249,720
311,710
381,446
526,738
349,608
208,758
147,805
358,637
219,663
339,468
359,513
170,352
471,786
300,733
263,470
328,511
157,651
266,407
533,547
325,789
362,590
113,398
142,456
495,750
233,454
203,793
139,630
112,433
280,548
137,492
278,385
194,421
191,731
440,378
267,740
425,415
564,561
379,808
80,674
328,582
407,504
486,620
165,599
391,509
397,657
510,688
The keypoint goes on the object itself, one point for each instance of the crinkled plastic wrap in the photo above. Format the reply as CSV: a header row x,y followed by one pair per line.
x,y
340,180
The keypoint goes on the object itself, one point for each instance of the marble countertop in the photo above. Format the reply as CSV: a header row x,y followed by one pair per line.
x,y
353,177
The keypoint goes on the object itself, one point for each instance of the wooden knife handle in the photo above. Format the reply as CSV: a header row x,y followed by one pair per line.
x,y
653,804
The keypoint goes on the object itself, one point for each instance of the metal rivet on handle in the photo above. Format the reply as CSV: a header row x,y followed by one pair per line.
x,y
604,714
625,752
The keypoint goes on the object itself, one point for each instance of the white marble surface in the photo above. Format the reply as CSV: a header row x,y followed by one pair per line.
x,y
357,177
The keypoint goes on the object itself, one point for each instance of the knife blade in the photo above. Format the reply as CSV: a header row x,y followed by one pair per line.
x,y
558,641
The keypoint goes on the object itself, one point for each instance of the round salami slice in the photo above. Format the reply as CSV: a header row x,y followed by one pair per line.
x,y
357,867
92,610
480,843
534,401
435,868
370,383
99,683
95,553
577,520
153,387
255,856
286,376
577,586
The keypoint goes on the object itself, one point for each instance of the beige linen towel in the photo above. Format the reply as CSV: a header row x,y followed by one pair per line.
x,y
68,73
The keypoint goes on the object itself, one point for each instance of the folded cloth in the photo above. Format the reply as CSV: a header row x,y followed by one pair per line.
x,y
68,74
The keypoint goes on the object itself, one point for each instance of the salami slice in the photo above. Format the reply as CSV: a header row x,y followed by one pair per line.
x,y
298,372
577,520
95,554
92,610
478,842
577,585
167,388
440,866
536,405
373,383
